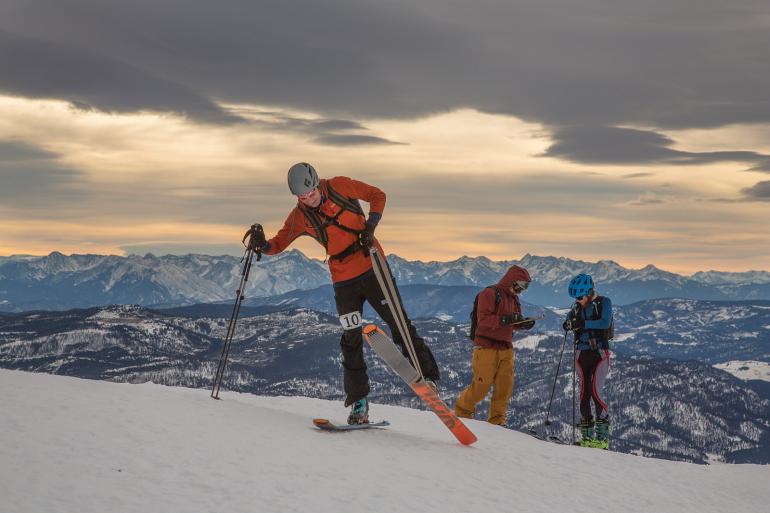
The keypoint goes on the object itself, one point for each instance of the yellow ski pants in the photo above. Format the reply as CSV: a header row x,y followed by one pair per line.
x,y
490,367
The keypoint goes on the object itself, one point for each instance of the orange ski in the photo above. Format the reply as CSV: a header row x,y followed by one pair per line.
x,y
388,351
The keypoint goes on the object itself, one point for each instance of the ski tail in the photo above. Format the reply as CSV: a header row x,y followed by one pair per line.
x,y
389,352
327,425
429,396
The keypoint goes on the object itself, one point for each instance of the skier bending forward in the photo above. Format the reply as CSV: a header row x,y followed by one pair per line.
x,y
329,211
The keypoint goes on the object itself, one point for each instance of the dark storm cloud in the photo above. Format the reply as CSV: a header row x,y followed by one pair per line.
x,y
329,132
352,140
42,69
675,64
758,191
612,145
31,177
763,167
21,152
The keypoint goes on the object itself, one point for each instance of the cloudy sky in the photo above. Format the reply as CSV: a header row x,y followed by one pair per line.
x,y
637,131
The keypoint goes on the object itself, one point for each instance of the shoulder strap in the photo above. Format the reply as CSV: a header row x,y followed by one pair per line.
x,y
598,301
498,296
319,221
343,202
319,226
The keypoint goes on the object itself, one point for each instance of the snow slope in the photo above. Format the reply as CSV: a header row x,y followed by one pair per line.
x,y
75,445
747,370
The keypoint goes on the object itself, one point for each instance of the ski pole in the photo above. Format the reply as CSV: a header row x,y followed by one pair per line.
x,y
256,238
555,378
574,358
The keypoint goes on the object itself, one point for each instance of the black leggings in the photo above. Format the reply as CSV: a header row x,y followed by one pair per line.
x,y
350,299
593,366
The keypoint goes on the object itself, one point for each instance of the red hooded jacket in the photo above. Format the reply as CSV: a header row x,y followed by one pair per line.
x,y
490,332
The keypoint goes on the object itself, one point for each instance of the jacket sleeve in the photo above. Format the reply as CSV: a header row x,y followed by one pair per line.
x,y
360,191
485,310
604,322
293,227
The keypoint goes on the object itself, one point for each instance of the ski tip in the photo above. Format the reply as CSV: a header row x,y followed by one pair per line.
x,y
321,422
370,329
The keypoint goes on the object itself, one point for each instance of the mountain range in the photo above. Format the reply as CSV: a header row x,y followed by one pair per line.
x,y
674,407
59,282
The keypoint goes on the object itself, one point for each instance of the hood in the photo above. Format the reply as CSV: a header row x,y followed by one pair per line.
x,y
515,273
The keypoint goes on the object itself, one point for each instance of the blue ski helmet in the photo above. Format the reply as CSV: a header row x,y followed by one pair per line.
x,y
581,285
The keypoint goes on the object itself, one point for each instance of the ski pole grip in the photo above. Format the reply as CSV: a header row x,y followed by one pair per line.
x,y
256,236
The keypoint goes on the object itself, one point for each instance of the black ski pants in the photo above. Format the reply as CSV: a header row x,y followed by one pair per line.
x,y
593,365
350,299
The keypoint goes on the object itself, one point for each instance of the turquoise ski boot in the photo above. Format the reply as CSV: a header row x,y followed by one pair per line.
x,y
359,412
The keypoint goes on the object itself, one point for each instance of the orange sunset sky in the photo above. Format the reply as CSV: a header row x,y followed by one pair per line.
x,y
637,133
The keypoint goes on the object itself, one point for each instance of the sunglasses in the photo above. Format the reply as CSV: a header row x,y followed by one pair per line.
x,y
307,194
520,285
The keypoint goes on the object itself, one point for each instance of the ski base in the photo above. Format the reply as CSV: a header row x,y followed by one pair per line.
x,y
328,425
387,350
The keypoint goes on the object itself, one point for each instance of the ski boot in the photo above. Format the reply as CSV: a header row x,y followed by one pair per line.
x,y
359,413
603,433
587,433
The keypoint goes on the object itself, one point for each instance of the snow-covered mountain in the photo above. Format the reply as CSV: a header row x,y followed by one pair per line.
x,y
686,329
683,410
451,303
723,278
58,282
86,446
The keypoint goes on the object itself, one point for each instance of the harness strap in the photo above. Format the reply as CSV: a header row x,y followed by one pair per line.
x,y
320,221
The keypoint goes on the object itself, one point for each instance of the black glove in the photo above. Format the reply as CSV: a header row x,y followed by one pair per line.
x,y
526,325
366,238
575,323
505,320
256,236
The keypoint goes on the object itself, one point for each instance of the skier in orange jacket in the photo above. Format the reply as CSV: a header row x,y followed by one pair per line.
x,y
329,211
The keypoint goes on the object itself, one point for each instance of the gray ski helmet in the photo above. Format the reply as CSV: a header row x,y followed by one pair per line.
x,y
302,178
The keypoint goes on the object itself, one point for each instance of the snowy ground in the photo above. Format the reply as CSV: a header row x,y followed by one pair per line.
x,y
79,446
747,370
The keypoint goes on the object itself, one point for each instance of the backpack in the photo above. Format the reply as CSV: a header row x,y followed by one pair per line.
x,y
319,221
474,318
609,333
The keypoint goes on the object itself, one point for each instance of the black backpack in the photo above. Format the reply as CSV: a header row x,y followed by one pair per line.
x,y
474,318
609,333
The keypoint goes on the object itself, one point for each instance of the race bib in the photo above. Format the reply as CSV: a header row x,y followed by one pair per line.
x,y
351,321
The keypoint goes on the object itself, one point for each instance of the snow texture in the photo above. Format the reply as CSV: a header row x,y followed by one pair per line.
x,y
88,446
747,370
